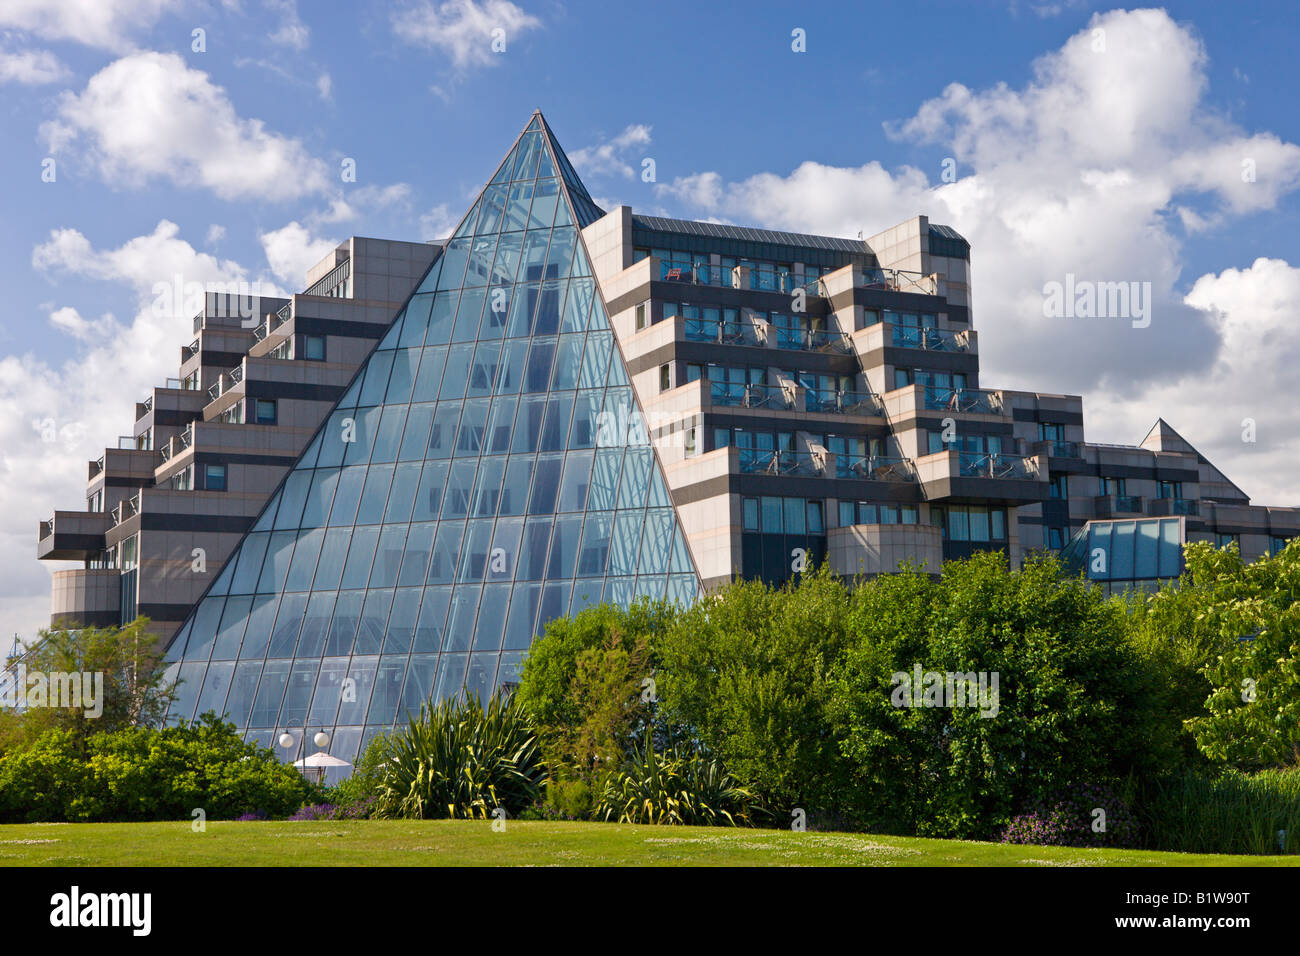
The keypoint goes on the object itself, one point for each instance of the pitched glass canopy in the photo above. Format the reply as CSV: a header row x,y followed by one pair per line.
x,y
460,495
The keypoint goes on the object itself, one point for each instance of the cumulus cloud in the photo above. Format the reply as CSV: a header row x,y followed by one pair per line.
x,y
465,30
438,222
104,24
611,156
31,67
149,116
292,32
291,250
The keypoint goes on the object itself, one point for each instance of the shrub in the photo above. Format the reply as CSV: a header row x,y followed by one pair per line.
x,y
1072,820
673,788
1073,703
462,759
315,811
144,774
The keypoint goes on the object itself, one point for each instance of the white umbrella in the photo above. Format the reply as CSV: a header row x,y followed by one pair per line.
x,y
321,759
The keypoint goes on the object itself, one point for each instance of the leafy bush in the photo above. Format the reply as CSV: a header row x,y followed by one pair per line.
x,y
1074,700
144,774
747,674
1072,820
315,811
673,788
461,759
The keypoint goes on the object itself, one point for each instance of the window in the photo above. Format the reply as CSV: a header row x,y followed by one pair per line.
x,y
1112,486
642,311
691,445
183,480
1050,431
129,548
848,514
313,348
96,501
234,415
1223,540
665,377
694,372
1056,538
1169,489
1276,544
751,514
214,477
1059,487
265,411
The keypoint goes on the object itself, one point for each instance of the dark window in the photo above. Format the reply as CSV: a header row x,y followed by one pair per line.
x,y
265,411
313,347
214,477
665,378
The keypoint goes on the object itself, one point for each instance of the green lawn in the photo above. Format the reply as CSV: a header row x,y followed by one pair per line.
x,y
459,843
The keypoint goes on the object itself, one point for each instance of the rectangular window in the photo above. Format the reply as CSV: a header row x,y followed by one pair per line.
x,y
1223,540
1050,431
816,518
694,372
979,523
999,521
908,514
721,438
641,311
750,507
1059,487
795,518
939,519
772,515
868,513
1056,538
265,411
214,477
958,524
689,441
665,377
848,514
313,348
1170,489
1112,486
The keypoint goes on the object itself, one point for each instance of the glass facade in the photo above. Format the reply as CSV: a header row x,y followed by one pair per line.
x,y
1140,553
480,477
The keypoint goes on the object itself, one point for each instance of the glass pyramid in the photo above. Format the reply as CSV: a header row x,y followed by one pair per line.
x,y
460,495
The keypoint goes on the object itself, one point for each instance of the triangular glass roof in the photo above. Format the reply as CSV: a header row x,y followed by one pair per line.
x,y
460,495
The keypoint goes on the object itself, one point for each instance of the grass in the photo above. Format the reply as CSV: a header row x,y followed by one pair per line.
x,y
474,843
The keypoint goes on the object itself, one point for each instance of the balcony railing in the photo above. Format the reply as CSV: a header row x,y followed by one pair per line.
x,y
874,468
1176,506
900,280
751,396
187,437
932,340
148,407
97,466
126,508
331,279
964,400
47,529
1062,449
979,465
811,340
719,332
843,402
192,349
1107,506
726,277
755,462
166,451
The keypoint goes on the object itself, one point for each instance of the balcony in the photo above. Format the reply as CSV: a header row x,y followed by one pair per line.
x,y
977,400
751,396
781,463
975,476
900,280
931,340
875,468
127,508
1111,506
1189,507
719,332
1055,448
811,340
979,465
843,402
72,536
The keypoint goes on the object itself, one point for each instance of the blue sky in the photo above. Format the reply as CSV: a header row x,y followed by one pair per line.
x,y
1122,162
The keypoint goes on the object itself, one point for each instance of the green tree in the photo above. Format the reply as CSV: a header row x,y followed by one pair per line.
x,y
747,673
135,692
1253,709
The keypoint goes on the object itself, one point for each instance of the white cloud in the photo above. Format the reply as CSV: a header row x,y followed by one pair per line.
x,y
611,156
364,199
463,29
325,87
149,116
69,320
439,222
216,233
105,24
81,403
292,31
291,250
31,67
